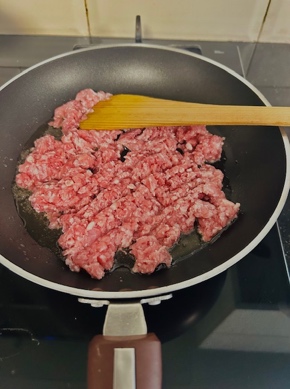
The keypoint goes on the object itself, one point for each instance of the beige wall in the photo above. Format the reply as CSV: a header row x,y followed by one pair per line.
x,y
224,20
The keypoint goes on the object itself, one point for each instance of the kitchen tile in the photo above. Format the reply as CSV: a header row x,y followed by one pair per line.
x,y
49,17
223,20
276,27
270,65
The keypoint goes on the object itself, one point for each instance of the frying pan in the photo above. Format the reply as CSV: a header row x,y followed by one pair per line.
x,y
255,163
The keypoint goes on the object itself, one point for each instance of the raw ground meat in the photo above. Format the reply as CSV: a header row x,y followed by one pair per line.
x,y
136,189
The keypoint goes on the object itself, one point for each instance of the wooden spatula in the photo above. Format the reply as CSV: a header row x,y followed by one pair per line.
x,y
133,111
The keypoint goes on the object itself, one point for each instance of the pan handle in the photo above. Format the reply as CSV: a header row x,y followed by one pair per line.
x,y
132,362
125,356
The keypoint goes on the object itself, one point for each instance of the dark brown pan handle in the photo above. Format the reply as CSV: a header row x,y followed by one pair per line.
x,y
125,362
125,356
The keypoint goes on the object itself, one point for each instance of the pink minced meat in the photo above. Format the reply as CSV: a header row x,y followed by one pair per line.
x,y
139,189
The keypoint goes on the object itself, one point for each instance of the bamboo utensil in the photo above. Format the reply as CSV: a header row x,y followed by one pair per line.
x,y
135,111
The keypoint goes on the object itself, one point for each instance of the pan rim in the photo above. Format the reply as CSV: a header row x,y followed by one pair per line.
x,y
97,294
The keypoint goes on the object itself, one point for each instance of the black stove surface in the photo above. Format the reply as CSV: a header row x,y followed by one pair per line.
x,y
232,331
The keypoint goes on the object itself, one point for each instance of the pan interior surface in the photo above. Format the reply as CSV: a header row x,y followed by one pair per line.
x,y
255,161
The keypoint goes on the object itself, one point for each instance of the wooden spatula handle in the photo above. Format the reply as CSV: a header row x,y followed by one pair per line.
x,y
131,111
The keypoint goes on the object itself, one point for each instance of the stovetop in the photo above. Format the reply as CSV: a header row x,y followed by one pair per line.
x,y
232,331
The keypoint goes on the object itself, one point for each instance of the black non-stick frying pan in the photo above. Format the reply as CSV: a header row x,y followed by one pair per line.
x,y
255,162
